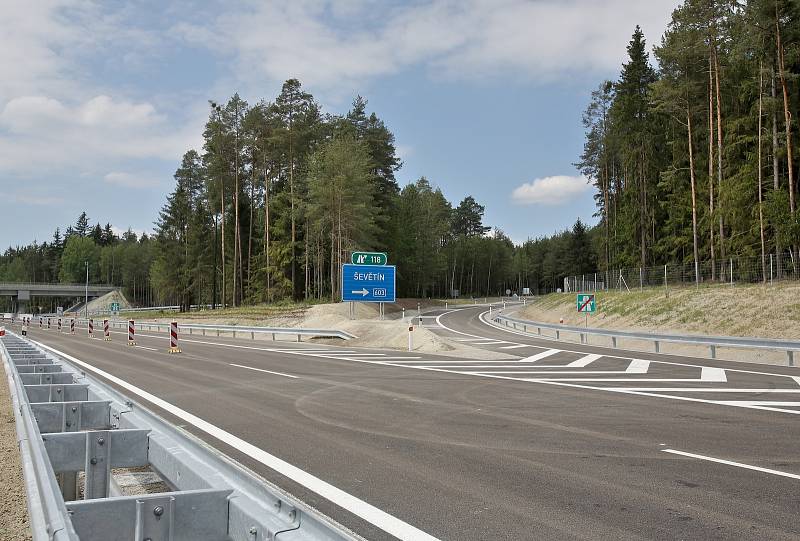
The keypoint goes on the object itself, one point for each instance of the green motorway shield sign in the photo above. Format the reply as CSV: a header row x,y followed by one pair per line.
x,y
115,307
585,303
368,258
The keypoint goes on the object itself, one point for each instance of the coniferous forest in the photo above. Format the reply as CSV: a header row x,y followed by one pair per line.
x,y
692,151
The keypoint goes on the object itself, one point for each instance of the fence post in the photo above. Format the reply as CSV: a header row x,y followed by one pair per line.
x,y
731,271
770,269
641,280
666,290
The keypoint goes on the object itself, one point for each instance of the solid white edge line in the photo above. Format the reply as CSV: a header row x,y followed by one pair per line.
x,y
731,463
358,507
262,370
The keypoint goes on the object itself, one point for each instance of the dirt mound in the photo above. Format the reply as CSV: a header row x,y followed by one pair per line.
x,y
367,327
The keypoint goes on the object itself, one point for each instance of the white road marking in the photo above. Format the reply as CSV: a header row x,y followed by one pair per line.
x,y
600,380
638,366
707,390
147,348
796,378
709,373
488,343
354,354
267,371
760,403
515,346
539,356
732,463
381,519
585,360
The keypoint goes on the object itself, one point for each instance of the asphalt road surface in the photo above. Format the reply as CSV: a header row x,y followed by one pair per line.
x,y
555,442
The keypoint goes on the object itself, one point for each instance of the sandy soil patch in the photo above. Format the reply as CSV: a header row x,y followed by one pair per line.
x,y
370,331
13,503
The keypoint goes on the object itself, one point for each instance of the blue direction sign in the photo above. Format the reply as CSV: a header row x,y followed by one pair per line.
x,y
368,283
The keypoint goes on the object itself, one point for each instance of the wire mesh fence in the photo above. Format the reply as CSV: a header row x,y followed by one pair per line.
x,y
773,268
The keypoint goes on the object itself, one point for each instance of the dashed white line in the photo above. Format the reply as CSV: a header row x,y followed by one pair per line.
x,y
539,356
638,366
516,346
732,463
585,360
709,373
267,371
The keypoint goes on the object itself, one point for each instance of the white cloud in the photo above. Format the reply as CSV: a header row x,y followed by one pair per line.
x,y
98,132
555,190
37,200
54,118
129,180
336,46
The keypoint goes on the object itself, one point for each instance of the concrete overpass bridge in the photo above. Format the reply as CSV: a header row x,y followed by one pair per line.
x,y
22,293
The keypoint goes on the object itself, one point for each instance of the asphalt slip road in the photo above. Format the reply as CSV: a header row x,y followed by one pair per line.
x,y
554,442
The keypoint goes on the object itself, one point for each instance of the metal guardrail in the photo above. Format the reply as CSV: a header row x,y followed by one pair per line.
x,y
71,426
203,329
712,342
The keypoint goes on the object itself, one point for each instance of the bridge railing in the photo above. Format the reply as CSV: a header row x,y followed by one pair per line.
x,y
39,285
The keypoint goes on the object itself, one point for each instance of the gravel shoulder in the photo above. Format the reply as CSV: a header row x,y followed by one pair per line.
x,y
13,504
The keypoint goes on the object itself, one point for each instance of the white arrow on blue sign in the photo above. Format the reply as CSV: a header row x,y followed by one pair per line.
x,y
368,283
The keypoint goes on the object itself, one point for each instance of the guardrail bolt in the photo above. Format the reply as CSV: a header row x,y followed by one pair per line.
x,y
100,441
93,461
158,510
292,515
278,505
74,409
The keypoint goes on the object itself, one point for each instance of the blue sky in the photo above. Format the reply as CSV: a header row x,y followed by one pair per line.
x,y
99,100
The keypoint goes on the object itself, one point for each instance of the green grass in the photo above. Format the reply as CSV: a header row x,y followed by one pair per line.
x,y
256,311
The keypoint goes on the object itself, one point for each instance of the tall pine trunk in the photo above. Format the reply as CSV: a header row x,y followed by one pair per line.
x,y
694,198
266,228
711,166
787,115
760,174
775,164
719,163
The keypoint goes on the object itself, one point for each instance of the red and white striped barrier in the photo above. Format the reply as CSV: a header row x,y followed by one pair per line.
x,y
40,322
91,328
48,323
106,331
173,338
72,326
59,324
131,333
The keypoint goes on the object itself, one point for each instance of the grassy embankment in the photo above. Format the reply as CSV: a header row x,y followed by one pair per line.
x,y
771,311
